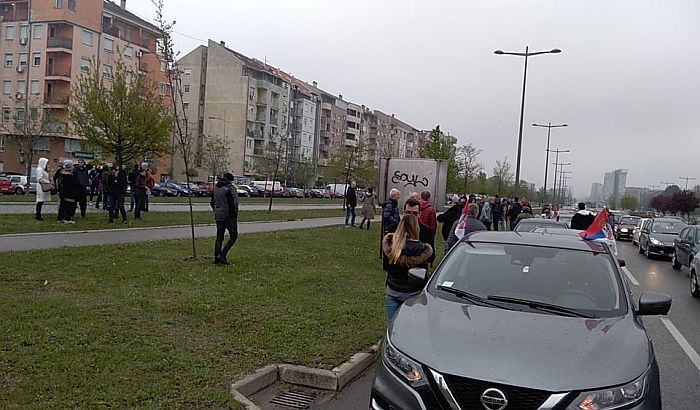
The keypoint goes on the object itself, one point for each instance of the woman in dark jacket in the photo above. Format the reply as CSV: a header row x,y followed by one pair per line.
x,y
69,192
403,251
115,190
449,217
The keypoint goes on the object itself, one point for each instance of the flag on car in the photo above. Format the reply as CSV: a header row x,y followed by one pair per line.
x,y
600,228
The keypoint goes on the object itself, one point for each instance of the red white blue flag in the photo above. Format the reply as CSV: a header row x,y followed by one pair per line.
x,y
600,228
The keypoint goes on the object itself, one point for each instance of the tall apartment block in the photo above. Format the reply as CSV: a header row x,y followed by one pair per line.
x,y
44,53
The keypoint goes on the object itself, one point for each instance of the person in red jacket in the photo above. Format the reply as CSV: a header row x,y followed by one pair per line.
x,y
428,222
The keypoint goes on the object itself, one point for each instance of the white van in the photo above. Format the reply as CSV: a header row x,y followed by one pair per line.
x,y
337,190
271,187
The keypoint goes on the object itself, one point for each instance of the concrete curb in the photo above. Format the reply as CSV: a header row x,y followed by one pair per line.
x,y
321,379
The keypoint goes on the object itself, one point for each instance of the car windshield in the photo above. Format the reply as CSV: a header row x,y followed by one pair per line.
x,y
531,224
629,220
582,280
667,227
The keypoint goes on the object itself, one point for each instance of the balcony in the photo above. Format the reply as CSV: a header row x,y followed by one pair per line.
x,y
143,67
326,106
60,42
56,99
276,104
273,121
261,102
58,70
56,127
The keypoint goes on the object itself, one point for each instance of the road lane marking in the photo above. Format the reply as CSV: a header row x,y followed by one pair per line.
x,y
630,276
687,348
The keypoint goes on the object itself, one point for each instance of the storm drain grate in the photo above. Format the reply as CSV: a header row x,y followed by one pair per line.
x,y
294,399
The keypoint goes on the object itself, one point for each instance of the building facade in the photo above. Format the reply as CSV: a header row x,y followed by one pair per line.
x,y
596,192
614,187
44,54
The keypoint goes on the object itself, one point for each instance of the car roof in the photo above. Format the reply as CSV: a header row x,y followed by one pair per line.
x,y
668,219
541,221
536,239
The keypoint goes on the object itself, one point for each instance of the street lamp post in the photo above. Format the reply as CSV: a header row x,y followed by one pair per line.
x,y
558,167
526,54
549,127
686,181
556,161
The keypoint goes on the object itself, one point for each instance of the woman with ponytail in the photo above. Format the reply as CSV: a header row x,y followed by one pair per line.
x,y
403,251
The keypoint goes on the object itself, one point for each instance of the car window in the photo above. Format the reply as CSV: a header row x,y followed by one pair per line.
x,y
697,236
667,227
628,221
14,179
581,280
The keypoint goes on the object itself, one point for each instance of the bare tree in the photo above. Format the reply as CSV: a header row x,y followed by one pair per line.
x,y
271,164
215,155
179,122
468,166
503,174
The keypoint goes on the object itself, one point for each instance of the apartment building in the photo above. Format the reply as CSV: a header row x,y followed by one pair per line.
x,y
239,98
390,137
45,52
614,185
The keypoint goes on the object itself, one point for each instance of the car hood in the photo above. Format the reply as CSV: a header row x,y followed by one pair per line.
x,y
666,238
538,351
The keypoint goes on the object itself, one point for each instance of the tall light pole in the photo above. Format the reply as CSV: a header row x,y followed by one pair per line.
x,y
558,167
686,181
556,161
526,54
549,127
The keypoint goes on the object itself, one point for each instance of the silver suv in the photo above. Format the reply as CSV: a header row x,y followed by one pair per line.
x,y
19,184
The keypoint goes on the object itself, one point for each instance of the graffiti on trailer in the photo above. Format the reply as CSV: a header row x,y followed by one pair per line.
x,y
400,177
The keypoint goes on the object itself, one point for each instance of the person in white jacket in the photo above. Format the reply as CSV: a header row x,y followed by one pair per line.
x,y
42,176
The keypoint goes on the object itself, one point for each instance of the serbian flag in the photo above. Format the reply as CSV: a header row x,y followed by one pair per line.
x,y
599,229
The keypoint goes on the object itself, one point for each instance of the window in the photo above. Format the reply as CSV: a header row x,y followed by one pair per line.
x,y
2,143
109,45
24,31
19,114
6,114
188,71
85,64
23,59
70,145
87,38
58,4
107,71
22,86
128,52
10,33
34,113
71,5
35,87
38,31
36,59
9,60
185,106
7,87
187,88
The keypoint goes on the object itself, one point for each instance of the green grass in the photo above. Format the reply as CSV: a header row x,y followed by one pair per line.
x,y
22,223
178,200
142,326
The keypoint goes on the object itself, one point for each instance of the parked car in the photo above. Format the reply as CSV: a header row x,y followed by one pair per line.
x,y
242,191
685,246
19,184
624,227
194,188
254,190
206,187
459,343
657,236
160,190
181,191
694,271
530,224
637,231
6,186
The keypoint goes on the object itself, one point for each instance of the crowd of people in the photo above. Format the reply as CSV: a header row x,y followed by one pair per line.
x,y
78,184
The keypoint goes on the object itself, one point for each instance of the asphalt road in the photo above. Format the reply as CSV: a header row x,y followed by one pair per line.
x,y
676,337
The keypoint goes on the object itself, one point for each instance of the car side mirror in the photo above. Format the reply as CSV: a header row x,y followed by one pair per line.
x,y
418,274
654,303
622,263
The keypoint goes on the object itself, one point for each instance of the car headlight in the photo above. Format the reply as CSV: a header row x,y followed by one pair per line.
x,y
409,371
625,230
656,241
612,398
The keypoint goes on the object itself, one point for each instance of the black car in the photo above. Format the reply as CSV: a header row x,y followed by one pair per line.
x,y
624,227
523,321
657,235
685,246
159,190
531,224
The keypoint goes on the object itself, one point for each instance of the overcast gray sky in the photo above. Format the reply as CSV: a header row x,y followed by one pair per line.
x,y
627,81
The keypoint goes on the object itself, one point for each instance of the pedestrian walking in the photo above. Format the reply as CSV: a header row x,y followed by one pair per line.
x,y
69,190
403,251
428,223
486,216
116,189
132,181
368,207
513,212
582,219
140,193
449,217
224,203
350,204
466,224
43,186
390,214
81,174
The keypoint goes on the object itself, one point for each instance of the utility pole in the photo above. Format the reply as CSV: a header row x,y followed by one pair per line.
x,y
556,161
686,181
549,127
667,183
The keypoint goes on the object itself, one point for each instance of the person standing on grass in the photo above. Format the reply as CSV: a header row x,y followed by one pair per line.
x,y
116,189
132,180
150,184
350,204
69,190
486,216
428,222
81,174
403,251
140,193
42,178
390,214
224,203
368,209
105,176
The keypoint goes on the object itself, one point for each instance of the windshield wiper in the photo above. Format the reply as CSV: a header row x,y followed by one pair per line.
x,y
475,299
539,305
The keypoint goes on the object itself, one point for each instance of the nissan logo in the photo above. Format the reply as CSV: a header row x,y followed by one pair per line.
x,y
493,399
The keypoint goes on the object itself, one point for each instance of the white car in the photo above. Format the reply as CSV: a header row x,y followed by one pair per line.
x,y
576,232
637,230
19,184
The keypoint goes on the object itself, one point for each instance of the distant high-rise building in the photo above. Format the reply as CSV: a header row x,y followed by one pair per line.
x,y
596,192
614,187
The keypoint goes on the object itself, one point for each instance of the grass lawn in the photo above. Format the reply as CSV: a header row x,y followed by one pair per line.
x,y
152,199
20,223
141,326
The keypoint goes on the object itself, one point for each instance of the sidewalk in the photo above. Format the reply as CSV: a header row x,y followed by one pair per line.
x,y
53,240
52,207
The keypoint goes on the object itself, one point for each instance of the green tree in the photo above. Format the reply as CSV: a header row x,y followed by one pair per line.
x,y
215,155
468,165
441,148
630,203
121,113
503,177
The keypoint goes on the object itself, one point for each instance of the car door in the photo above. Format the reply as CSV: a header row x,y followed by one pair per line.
x,y
694,239
644,236
680,246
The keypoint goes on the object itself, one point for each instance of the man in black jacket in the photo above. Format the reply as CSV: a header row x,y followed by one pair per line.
x,y
115,191
68,190
513,212
449,217
224,203
350,204
582,219
132,184
81,174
